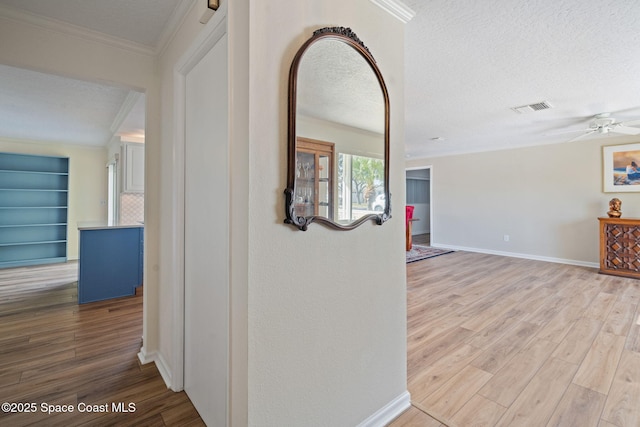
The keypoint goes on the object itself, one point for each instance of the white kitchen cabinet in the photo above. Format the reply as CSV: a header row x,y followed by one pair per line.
x,y
133,168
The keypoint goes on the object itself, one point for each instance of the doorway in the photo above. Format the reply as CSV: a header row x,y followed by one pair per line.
x,y
418,187
112,191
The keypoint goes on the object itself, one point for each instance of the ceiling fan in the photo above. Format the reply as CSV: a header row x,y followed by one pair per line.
x,y
603,123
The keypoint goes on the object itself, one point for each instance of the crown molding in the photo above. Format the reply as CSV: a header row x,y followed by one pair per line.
x,y
73,30
396,9
173,24
42,142
125,109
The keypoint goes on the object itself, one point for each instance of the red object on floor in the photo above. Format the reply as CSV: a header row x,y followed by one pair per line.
x,y
409,220
409,210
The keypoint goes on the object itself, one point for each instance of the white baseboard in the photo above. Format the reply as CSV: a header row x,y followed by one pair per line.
x,y
162,366
165,372
145,357
388,412
518,255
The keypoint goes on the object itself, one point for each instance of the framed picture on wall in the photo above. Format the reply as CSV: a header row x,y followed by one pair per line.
x,y
621,167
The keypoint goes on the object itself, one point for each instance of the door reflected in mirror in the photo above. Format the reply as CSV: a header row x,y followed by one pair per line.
x,y
338,134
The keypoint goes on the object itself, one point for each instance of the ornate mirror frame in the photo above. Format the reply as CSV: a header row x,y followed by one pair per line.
x,y
347,36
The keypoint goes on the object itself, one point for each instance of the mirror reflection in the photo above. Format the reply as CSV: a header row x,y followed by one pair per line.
x,y
340,136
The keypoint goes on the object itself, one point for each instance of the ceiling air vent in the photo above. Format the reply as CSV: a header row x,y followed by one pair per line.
x,y
544,105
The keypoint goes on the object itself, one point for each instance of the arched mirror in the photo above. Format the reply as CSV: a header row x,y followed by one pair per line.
x,y
338,165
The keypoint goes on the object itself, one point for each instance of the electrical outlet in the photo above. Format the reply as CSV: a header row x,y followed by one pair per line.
x,y
506,237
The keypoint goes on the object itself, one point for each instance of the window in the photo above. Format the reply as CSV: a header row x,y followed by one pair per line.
x,y
360,182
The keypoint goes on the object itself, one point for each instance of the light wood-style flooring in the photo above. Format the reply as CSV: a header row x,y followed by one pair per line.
x,y
421,239
498,341
56,352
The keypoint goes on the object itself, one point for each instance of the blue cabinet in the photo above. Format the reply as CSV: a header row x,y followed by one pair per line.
x,y
33,209
110,264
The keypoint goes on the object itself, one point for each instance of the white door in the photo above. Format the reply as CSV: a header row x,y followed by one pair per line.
x,y
206,335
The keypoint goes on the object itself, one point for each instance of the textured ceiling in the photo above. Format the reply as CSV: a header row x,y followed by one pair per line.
x,y
42,107
469,62
138,21
336,84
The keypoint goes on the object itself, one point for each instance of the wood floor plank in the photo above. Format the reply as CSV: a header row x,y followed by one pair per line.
x,y
508,382
413,417
494,358
601,306
601,362
435,330
42,418
493,332
632,342
488,315
54,351
559,325
430,378
623,402
478,411
587,328
578,341
181,413
579,407
620,318
425,356
456,392
535,405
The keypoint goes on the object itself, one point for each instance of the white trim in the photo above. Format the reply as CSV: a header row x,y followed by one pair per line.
x,y
126,107
396,8
430,167
73,30
173,25
518,255
388,412
215,29
160,363
165,372
168,33
145,357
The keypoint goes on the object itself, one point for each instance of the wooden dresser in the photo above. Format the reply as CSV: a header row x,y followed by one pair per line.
x,y
620,246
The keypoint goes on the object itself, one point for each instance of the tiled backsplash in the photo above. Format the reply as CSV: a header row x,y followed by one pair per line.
x,y
131,208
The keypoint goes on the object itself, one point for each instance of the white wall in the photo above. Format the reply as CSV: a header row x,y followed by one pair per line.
x,y
168,354
327,315
318,318
347,139
422,212
66,54
87,182
546,198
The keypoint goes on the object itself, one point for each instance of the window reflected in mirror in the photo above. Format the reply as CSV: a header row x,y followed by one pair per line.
x,y
360,187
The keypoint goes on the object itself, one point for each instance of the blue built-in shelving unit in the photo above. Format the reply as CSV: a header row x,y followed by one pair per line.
x,y
33,209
